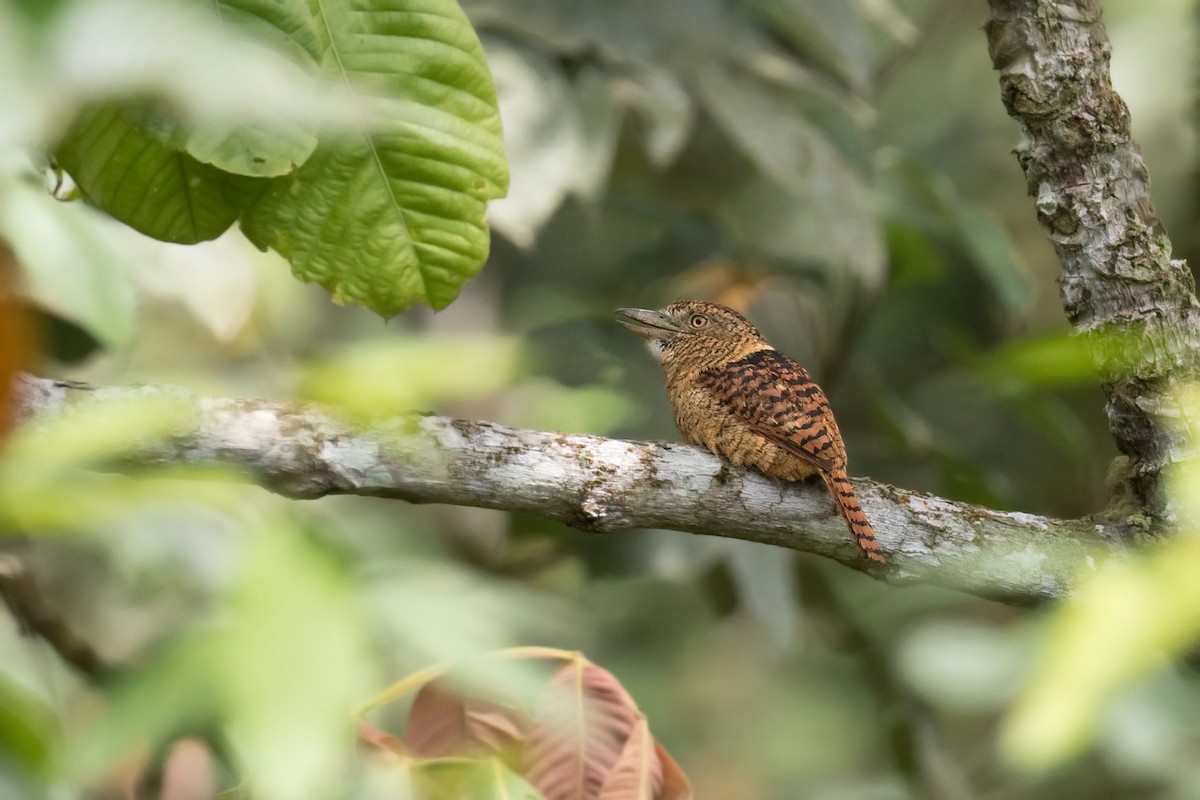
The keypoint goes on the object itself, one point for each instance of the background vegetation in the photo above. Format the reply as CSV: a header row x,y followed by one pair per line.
x,y
840,171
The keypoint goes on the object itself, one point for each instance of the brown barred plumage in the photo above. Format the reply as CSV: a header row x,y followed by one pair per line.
x,y
736,395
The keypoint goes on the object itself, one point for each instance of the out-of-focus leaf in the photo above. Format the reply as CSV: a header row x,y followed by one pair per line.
x,y
965,666
170,692
1126,622
215,281
833,34
263,149
255,151
25,107
912,254
666,110
551,406
26,730
1121,625
234,78
1056,360
443,722
153,189
72,262
96,431
810,199
458,778
922,196
391,377
765,578
381,740
188,772
287,689
637,773
580,728
395,216
601,114
786,147
544,137
676,785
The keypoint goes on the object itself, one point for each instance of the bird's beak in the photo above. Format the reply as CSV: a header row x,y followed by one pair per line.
x,y
646,322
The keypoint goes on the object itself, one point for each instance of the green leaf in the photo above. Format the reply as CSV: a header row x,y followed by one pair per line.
x,y
262,149
122,169
394,216
252,150
452,778
384,377
832,34
72,266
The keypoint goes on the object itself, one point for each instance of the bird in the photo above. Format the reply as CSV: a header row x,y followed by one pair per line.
x,y
751,405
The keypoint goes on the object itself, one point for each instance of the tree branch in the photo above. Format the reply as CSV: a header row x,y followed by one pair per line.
x,y
1119,283
606,485
37,617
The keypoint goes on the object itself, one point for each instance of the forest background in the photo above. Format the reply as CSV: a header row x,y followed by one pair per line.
x,y
841,172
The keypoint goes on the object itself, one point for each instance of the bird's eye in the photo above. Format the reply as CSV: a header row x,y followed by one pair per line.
x,y
698,321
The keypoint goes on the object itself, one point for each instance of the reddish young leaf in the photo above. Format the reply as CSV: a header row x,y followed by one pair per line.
x,y
188,773
637,775
580,728
445,723
676,785
378,739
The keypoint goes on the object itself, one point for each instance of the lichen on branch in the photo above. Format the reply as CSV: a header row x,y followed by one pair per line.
x,y
602,486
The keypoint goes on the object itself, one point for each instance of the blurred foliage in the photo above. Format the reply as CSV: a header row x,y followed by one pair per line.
x,y
839,171
360,142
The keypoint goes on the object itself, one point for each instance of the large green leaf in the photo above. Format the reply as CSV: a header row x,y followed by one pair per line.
x,y
127,172
277,145
395,215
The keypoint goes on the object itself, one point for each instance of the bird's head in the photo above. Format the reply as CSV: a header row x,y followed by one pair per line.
x,y
694,334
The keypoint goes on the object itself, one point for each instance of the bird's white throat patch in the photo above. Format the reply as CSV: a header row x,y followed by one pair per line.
x,y
656,348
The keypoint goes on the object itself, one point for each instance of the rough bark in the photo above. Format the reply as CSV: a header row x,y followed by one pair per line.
x,y
602,486
1120,286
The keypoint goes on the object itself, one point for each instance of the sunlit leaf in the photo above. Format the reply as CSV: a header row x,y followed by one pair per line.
x,y
1120,626
98,429
262,148
290,664
457,779
230,83
1127,622
395,216
386,378
547,405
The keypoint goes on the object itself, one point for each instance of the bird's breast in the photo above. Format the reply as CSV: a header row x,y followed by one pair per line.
x,y
704,421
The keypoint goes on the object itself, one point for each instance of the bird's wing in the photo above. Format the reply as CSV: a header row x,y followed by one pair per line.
x,y
777,399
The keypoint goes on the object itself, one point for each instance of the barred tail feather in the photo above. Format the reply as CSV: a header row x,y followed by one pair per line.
x,y
860,528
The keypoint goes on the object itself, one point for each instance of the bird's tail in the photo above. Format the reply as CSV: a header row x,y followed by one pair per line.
x,y
856,518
